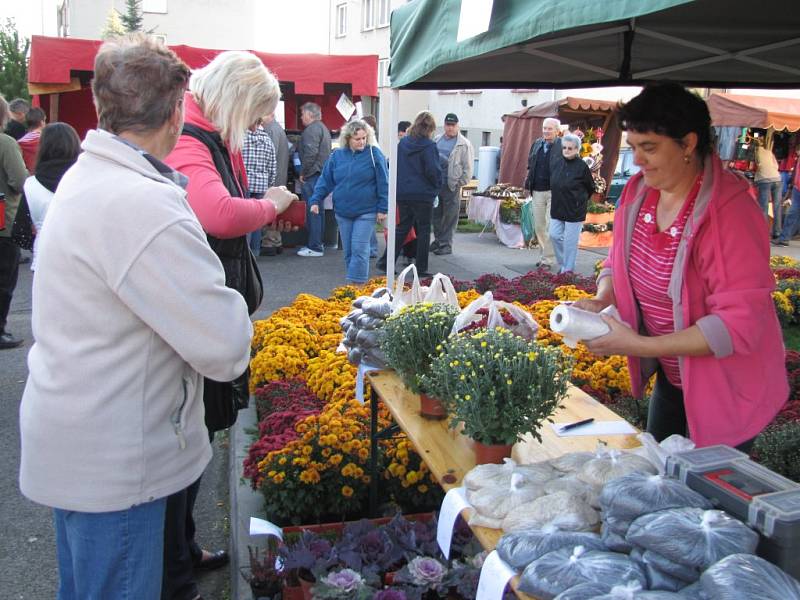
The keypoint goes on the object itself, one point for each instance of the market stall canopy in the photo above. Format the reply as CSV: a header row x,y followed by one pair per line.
x,y
732,110
576,43
522,127
53,60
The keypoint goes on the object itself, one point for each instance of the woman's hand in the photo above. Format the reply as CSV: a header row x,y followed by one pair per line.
x,y
590,304
620,340
314,209
381,217
280,197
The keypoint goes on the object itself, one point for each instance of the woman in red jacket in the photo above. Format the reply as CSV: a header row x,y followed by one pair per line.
x,y
225,99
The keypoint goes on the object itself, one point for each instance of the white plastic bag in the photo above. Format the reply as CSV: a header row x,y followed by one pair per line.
x,y
572,461
574,487
489,475
613,464
658,453
440,291
526,326
496,502
560,510
402,296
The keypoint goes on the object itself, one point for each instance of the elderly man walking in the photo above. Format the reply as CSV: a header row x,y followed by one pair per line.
x,y
315,147
456,157
545,155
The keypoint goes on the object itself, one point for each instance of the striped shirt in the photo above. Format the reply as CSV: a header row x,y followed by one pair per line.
x,y
652,257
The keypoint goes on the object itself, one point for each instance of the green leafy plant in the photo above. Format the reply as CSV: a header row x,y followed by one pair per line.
x,y
778,448
413,337
498,384
13,62
599,208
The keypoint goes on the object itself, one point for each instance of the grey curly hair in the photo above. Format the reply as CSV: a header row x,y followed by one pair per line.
x,y
350,128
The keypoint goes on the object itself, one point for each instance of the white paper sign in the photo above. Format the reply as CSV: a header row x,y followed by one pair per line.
x,y
495,575
359,110
345,106
474,18
595,428
263,527
363,369
454,502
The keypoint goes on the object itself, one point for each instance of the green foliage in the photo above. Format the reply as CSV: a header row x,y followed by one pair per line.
x,y
132,18
13,62
413,337
778,448
498,384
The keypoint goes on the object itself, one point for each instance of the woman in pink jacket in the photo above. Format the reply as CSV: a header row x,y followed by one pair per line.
x,y
689,273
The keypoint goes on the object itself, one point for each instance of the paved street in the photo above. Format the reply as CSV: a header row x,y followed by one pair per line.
x,y
27,561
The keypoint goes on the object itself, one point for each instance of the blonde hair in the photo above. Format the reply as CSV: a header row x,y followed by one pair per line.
x,y
350,128
234,91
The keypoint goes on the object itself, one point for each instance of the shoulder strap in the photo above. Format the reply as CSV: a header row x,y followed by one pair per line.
x,y
219,154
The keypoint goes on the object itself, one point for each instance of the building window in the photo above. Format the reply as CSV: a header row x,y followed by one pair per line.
x,y
341,20
383,72
486,138
367,15
154,6
384,12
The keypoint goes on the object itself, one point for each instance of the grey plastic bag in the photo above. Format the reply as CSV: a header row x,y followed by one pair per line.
x,y
740,576
694,592
656,578
614,541
682,572
522,548
631,496
584,591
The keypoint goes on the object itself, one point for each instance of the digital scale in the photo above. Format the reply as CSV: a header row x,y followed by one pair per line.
x,y
766,501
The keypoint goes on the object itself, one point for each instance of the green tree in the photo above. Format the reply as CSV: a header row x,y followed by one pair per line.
x,y
13,62
113,26
132,17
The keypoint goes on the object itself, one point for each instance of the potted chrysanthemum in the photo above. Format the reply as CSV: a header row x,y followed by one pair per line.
x,y
412,337
499,385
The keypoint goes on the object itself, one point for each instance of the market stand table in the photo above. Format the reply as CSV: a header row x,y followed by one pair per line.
x,y
449,454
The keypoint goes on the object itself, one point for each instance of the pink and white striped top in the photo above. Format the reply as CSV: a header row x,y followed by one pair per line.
x,y
652,257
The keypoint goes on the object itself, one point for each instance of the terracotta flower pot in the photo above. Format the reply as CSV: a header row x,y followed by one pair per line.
x,y
306,588
491,453
292,592
431,408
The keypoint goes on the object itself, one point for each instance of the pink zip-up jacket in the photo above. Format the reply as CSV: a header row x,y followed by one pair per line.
x,y
221,215
721,282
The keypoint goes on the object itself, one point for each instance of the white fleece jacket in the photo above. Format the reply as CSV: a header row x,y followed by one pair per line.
x,y
130,310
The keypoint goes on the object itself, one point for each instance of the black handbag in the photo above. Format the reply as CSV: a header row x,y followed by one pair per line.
x,y
22,233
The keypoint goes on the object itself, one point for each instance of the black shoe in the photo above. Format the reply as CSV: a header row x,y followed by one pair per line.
x,y
779,243
269,251
8,341
442,252
380,265
217,559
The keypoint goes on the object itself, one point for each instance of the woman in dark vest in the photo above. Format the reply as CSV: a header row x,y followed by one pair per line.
x,y
225,98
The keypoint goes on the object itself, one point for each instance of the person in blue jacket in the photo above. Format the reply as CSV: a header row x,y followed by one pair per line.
x,y
356,174
419,179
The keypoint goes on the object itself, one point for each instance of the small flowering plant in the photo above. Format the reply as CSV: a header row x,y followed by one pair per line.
x,y
421,575
498,384
413,337
344,584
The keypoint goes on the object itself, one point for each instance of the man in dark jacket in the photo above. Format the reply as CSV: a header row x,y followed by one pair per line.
x,y
419,179
16,124
543,158
315,147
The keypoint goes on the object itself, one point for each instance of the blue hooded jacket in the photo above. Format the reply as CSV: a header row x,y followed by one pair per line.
x,y
359,182
419,174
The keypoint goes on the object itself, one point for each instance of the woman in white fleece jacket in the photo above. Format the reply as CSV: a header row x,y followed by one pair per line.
x,y
130,311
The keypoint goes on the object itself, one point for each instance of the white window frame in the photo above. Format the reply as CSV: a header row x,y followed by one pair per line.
x,y
148,6
367,15
341,20
384,13
383,72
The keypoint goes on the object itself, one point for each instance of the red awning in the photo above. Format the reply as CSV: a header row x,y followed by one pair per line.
x,y
734,110
53,59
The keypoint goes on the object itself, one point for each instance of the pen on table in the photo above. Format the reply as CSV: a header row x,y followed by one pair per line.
x,y
576,424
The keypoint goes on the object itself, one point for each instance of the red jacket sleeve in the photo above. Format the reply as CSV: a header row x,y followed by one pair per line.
x,y
220,214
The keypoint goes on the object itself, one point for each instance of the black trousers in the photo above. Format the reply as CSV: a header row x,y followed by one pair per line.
x,y
417,215
667,413
9,270
181,552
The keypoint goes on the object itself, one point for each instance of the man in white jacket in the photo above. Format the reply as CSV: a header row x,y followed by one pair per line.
x,y
130,311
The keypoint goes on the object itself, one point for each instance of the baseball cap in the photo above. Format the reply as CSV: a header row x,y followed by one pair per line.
x,y
451,118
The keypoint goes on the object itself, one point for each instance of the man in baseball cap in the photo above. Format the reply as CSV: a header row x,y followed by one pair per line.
x,y
456,156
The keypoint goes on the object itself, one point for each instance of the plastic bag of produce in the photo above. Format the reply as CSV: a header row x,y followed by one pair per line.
x,y
489,475
476,519
694,592
584,591
572,461
561,510
656,578
633,591
665,565
575,487
613,464
614,541
628,497
740,576
658,453
692,536
496,502
538,473
560,570
522,548
525,325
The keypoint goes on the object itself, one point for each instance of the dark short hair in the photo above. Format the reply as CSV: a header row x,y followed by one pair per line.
x,y
58,141
424,125
668,109
34,117
137,83
18,105
403,126
371,121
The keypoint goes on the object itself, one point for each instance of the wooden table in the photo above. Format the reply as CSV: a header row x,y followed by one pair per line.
x,y
449,454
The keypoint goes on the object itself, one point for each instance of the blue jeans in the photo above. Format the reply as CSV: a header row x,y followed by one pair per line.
x,y
355,234
564,236
373,244
315,224
786,182
767,190
112,554
254,237
792,220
